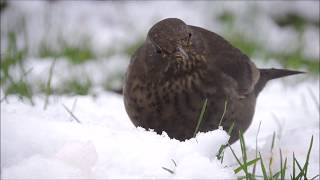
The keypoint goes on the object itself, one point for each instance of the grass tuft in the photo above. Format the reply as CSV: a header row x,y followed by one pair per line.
x,y
303,170
295,20
283,167
79,87
76,54
268,174
12,58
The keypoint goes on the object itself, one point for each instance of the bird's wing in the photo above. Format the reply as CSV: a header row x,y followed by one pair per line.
x,y
230,60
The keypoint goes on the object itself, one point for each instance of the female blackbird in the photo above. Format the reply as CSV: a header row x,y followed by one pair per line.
x,y
178,67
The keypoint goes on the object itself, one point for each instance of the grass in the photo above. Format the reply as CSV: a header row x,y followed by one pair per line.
x,y
280,174
82,52
3,5
294,60
76,54
113,82
254,48
245,164
203,110
14,58
170,170
71,114
48,89
295,20
77,87
256,152
20,88
224,111
220,153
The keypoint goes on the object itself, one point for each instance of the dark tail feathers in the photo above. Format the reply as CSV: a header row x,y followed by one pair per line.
x,y
268,74
277,73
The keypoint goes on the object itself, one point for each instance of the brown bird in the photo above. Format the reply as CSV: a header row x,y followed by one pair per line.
x,y
178,67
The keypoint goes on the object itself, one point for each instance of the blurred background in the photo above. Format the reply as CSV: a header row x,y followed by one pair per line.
x,y
83,47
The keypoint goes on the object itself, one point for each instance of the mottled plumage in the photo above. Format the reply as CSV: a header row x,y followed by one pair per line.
x,y
178,67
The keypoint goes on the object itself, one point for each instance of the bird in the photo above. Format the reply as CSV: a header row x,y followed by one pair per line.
x,y
178,68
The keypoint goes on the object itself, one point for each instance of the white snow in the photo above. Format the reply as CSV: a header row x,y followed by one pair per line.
x,y
42,144
46,144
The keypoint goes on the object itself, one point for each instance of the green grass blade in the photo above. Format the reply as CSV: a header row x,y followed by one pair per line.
x,y
71,114
263,168
220,152
243,147
174,162
256,154
222,147
284,169
48,86
293,166
168,170
244,155
300,168
306,164
224,111
303,171
254,161
276,175
231,128
281,163
203,110
273,140
235,156
271,152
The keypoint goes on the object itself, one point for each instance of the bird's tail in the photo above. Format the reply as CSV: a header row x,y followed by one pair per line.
x,y
276,73
268,74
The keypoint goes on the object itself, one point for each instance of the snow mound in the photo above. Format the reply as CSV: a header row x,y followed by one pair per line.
x,y
46,144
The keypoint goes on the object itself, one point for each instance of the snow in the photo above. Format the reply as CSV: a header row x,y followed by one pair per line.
x,y
292,112
48,144
104,145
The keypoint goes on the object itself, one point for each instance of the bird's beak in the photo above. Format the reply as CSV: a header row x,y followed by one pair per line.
x,y
180,53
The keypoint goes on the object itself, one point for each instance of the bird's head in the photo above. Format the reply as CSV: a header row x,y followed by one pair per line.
x,y
171,39
174,48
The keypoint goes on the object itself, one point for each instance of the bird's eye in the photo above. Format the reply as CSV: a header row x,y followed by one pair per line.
x,y
190,35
